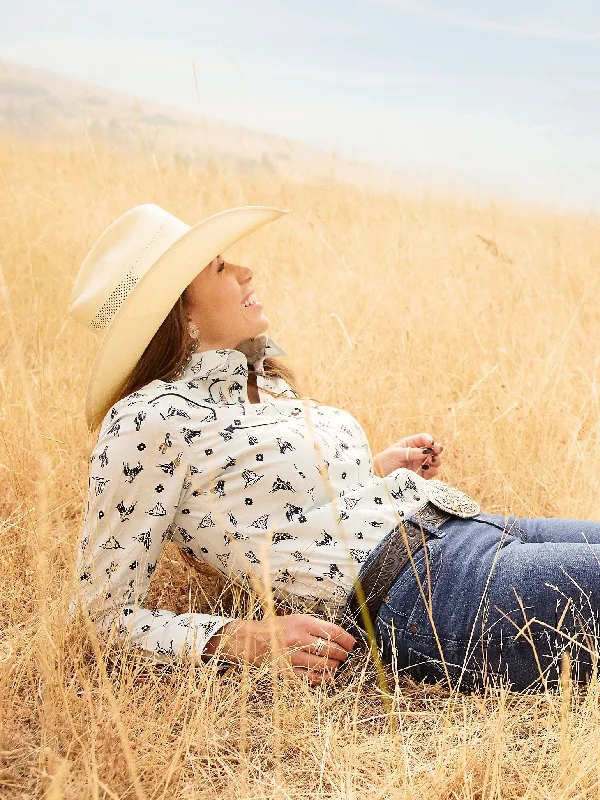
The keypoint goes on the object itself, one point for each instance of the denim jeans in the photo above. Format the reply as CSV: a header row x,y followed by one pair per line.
x,y
494,598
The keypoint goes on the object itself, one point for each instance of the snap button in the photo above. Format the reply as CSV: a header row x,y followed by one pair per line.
x,y
413,629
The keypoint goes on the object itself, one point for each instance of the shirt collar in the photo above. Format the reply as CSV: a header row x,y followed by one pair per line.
x,y
225,362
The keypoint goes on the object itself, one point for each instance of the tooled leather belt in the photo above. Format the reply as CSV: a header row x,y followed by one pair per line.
x,y
380,573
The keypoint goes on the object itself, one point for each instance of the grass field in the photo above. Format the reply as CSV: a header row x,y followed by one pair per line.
x,y
476,321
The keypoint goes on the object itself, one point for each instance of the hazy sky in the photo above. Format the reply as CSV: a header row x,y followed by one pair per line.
x,y
502,94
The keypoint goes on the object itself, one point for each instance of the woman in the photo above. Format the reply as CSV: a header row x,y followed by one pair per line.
x,y
204,441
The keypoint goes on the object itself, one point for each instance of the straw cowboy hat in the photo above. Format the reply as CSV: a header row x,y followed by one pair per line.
x,y
133,276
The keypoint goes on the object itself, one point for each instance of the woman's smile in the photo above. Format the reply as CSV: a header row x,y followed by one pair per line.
x,y
252,301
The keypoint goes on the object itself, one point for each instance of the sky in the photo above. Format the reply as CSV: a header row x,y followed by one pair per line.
x,y
501,96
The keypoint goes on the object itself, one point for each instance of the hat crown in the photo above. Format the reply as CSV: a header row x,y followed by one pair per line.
x,y
120,258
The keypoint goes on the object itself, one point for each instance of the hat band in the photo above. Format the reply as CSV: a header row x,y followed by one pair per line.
x,y
168,233
113,303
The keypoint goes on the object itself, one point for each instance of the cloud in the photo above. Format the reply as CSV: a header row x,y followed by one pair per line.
x,y
565,22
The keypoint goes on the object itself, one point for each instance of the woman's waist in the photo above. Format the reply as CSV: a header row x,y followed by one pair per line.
x,y
352,521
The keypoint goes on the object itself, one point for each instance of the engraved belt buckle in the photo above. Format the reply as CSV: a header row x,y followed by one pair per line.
x,y
451,500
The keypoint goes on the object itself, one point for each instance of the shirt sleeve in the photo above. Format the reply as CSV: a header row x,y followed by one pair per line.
x,y
139,474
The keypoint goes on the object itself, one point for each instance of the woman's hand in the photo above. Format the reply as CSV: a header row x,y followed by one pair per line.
x,y
294,637
420,452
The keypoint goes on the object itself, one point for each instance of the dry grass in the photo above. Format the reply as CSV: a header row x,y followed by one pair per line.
x,y
478,322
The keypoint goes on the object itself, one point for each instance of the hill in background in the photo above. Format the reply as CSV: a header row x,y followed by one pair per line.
x,y
40,104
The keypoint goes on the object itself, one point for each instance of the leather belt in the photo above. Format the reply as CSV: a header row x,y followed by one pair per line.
x,y
396,550
394,553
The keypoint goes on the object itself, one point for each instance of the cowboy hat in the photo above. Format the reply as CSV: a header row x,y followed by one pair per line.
x,y
133,276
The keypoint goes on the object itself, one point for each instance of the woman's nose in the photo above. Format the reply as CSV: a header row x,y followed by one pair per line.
x,y
244,274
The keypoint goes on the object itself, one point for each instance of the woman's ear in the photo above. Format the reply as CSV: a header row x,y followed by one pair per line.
x,y
186,308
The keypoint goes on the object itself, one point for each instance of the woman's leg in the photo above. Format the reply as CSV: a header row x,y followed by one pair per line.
x,y
483,602
557,530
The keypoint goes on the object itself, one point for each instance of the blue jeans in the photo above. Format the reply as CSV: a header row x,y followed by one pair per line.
x,y
494,598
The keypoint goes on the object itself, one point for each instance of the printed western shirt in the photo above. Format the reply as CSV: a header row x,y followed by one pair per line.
x,y
281,492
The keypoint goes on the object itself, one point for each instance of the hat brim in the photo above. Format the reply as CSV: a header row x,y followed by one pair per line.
x,y
151,299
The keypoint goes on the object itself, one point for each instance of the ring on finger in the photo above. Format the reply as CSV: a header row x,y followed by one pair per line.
x,y
407,454
319,646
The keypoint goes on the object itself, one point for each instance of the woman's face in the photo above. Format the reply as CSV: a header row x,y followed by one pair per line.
x,y
220,301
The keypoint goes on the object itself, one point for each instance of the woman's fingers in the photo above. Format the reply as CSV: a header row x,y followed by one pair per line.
x,y
414,453
299,658
424,460
413,457
326,648
418,441
335,636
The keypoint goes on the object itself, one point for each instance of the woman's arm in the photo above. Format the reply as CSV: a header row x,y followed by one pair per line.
x,y
138,478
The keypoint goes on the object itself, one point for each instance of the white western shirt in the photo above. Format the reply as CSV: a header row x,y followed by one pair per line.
x,y
283,488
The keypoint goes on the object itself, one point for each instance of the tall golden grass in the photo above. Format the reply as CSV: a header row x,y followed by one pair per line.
x,y
476,321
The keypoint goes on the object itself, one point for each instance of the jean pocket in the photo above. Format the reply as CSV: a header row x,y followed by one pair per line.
x,y
412,592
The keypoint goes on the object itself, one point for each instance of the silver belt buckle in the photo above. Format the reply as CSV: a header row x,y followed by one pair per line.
x,y
451,500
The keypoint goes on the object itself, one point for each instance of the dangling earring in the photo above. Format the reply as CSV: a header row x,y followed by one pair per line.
x,y
193,333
